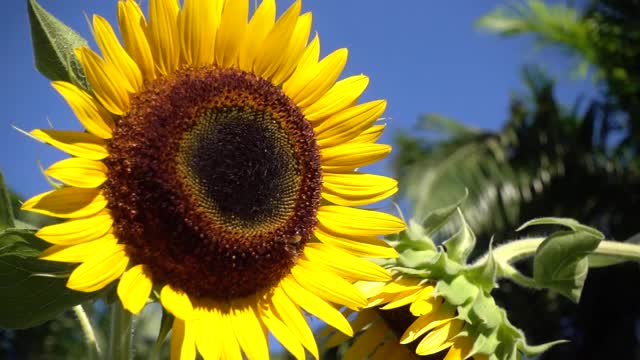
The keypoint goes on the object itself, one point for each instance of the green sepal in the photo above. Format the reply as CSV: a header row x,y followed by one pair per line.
x,y
458,291
416,259
33,290
486,310
461,244
439,217
443,267
415,238
484,274
6,210
536,350
53,45
486,343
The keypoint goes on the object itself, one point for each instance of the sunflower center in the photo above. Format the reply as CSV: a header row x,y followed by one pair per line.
x,y
214,182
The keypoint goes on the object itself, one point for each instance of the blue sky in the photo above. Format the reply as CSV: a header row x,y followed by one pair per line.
x,y
422,56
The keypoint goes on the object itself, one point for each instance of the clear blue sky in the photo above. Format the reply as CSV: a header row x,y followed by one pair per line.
x,y
422,56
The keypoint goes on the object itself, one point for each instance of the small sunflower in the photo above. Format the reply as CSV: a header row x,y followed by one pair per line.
x,y
401,312
218,167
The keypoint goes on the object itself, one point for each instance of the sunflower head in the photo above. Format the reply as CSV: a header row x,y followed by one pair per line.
x,y
220,166
437,305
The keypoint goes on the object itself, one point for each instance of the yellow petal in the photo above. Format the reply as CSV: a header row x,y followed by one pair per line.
x,y
259,27
355,189
75,143
271,56
362,319
362,246
309,57
295,49
183,343
460,349
99,271
425,302
327,285
307,87
347,157
369,136
358,222
248,330
76,231
198,23
80,252
402,285
133,28
401,299
282,306
163,34
114,54
79,172
343,264
314,305
231,33
342,94
177,303
134,288
370,288
105,80
93,116
208,333
348,123
230,346
283,334
424,323
366,343
68,202
440,338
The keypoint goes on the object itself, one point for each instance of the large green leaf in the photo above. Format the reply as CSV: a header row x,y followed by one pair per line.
x,y
32,290
6,212
53,45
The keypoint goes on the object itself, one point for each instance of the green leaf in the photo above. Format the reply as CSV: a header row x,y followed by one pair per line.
x,y
461,244
561,262
6,211
437,218
33,291
53,45
567,222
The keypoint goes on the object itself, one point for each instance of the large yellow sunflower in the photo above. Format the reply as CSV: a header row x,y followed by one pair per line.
x,y
400,313
219,166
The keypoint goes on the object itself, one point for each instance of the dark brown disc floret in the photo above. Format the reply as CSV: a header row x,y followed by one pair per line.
x,y
214,182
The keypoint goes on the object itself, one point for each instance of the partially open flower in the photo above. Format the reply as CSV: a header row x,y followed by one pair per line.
x,y
404,320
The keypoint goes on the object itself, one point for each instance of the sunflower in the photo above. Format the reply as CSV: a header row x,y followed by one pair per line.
x,y
219,168
401,312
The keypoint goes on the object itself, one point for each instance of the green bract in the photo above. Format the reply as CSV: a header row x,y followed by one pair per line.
x,y
560,263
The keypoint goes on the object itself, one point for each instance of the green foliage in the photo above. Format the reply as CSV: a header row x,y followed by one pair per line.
x,y
53,45
34,290
561,262
6,211
577,160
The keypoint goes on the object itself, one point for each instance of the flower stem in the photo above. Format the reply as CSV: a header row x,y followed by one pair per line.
x,y
121,332
87,329
521,249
